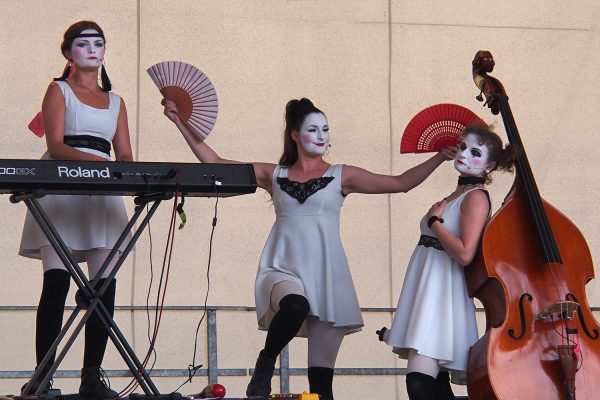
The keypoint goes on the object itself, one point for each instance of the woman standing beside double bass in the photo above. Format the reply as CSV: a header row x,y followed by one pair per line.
x,y
435,325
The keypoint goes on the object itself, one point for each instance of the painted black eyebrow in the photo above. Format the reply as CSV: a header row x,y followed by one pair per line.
x,y
81,40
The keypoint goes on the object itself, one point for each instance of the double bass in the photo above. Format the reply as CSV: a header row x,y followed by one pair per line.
x,y
530,271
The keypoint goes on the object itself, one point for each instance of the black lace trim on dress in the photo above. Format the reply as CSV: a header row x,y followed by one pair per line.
x,y
303,190
430,241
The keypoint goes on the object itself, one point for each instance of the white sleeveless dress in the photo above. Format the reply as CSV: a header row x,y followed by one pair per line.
x,y
305,247
84,222
435,315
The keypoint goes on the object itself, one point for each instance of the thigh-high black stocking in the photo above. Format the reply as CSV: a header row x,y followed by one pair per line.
x,y
320,380
96,334
293,310
420,386
50,311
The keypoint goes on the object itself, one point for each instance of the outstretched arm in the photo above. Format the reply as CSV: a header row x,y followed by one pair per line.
x,y
204,153
358,180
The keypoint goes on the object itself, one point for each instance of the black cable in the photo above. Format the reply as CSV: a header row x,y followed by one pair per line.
x,y
151,348
152,338
569,340
193,368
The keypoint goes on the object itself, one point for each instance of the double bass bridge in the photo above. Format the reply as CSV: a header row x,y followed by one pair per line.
x,y
565,310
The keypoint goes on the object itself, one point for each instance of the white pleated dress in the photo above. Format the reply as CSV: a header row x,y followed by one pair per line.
x,y
435,315
305,247
84,222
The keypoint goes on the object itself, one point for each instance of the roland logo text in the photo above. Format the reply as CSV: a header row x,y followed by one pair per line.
x,y
66,172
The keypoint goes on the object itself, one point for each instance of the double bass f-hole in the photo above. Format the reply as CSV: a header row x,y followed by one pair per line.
x,y
571,297
511,331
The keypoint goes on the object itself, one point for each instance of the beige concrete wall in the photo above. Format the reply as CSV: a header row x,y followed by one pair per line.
x,y
371,66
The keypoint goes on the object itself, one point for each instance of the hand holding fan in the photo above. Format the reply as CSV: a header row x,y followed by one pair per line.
x,y
191,90
435,127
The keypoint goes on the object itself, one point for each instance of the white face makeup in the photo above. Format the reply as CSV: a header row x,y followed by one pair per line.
x,y
88,52
314,134
472,157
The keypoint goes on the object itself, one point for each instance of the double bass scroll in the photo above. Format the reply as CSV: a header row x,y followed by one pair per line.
x,y
530,272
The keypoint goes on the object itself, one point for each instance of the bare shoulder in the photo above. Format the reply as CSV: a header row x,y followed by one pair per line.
x,y
54,100
350,168
54,90
264,168
53,85
350,172
477,199
122,108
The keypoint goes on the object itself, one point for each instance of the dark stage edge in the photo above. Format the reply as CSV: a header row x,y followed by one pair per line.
x,y
135,396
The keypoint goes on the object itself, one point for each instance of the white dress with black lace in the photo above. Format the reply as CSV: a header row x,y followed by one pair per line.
x,y
435,315
305,247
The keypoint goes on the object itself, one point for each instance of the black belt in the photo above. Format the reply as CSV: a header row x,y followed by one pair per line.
x,y
430,241
89,142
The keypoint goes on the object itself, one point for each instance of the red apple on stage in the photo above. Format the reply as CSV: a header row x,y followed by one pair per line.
x,y
218,390
212,390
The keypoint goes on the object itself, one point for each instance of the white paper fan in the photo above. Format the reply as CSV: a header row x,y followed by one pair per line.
x,y
191,90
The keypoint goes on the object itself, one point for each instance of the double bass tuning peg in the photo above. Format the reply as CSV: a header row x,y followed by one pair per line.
x,y
479,97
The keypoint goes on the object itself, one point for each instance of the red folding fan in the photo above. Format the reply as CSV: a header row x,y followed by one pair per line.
x,y
435,127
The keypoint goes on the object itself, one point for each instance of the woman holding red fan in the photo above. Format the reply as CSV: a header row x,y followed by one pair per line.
x,y
82,121
435,325
303,285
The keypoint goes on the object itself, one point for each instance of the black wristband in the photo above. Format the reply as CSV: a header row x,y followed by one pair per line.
x,y
433,219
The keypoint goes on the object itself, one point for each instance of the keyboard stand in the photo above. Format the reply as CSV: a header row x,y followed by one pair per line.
x,y
87,288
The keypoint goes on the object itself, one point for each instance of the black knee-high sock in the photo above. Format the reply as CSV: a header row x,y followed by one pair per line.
x,y
50,312
442,386
420,386
320,380
293,310
96,335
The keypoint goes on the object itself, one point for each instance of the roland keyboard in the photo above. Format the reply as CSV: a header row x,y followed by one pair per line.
x,y
125,178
